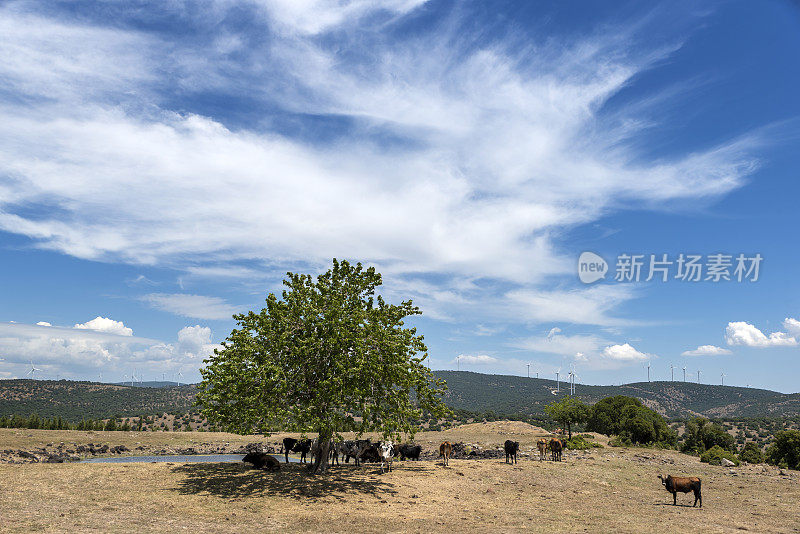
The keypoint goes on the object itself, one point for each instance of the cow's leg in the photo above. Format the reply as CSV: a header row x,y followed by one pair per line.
x,y
674,498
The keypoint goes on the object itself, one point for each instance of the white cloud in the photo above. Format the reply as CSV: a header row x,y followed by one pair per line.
x,y
706,350
104,324
498,148
553,331
743,333
82,352
480,359
315,16
43,323
578,306
624,352
792,326
195,306
563,345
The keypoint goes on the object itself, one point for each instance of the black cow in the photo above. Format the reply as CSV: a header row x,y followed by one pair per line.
x,y
684,485
353,449
370,453
262,460
409,451
303,446
511,448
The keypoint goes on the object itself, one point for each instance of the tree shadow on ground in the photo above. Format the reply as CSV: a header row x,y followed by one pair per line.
x,y
232,481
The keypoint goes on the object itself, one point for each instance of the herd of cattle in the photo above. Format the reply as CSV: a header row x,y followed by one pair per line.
x,y
364,450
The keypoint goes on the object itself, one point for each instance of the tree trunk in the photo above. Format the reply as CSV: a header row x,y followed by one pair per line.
x,y
569,430
320,460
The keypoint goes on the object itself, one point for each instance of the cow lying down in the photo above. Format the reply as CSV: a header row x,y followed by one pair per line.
x,y
684,485
262,460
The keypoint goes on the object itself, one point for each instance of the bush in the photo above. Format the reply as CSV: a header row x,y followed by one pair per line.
x,y
631,421
715,454
785,450
580,443
751,453
702,435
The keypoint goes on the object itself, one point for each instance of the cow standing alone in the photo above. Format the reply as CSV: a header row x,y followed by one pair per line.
x,y
445,451
511,448
555,448
684,485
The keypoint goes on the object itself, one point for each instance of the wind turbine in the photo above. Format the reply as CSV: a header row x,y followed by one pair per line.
x,y
458,363
33,370
684,373
100,377
698,376
648,371
558,383
180,375
672,372
529,370
722,375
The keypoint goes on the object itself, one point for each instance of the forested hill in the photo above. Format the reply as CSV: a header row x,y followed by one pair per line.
x,y
473,392
75,401
502,394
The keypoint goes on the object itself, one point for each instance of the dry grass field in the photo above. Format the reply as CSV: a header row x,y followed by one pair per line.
x,y
606,490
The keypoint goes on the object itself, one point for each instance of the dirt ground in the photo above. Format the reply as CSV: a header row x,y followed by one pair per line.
x,y
608,490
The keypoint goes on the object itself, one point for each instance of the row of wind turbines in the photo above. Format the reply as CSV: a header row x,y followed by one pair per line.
x,y
177,377
672,374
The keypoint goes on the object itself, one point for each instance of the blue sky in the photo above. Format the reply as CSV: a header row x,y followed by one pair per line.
x,y
163,165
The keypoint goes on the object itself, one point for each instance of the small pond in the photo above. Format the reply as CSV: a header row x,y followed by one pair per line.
x,y
177,458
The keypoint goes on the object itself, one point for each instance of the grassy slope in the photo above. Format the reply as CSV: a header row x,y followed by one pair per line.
x,y
607,490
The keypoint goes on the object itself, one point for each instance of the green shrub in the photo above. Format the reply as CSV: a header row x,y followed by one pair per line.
x,y
620,441
751,453
785,450
630,420
715,454
580,443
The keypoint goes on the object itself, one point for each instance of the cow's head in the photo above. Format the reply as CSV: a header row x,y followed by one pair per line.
x,y
387,449
663,479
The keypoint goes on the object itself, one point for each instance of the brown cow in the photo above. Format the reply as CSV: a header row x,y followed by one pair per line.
x,y
445,451
542,446
555,447
684,485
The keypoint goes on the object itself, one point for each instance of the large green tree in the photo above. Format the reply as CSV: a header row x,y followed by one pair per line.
x,y
329,355
568,411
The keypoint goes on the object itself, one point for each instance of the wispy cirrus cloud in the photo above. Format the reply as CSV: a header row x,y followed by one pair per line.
x,y
452,158
194,306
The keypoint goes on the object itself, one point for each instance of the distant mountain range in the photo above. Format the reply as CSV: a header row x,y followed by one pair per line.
x,y
502,394
473,392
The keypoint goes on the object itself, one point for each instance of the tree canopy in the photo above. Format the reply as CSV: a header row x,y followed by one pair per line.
x,y
785,449
568,411
629,419
330,355
701,435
